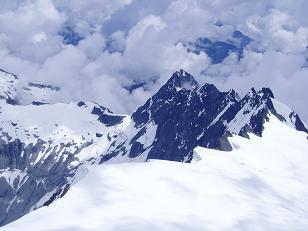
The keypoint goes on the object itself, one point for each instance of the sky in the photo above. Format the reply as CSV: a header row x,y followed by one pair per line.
x,y
121,42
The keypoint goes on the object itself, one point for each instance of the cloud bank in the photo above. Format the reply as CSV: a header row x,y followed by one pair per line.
x,y
127,41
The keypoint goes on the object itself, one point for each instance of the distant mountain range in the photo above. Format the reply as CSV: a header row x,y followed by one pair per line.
x,y
42,145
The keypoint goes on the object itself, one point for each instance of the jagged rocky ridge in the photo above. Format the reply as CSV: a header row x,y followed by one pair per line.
x,y
185,115
42,145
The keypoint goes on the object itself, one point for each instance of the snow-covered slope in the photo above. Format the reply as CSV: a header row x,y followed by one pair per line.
x,y
42,145
13,91
261,185
40,93
8,84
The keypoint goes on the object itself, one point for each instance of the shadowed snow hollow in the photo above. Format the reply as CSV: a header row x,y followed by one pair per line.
x,y
261,185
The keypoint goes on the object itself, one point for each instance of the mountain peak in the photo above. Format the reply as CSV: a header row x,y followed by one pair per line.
x,y
183,80
181,72
266,93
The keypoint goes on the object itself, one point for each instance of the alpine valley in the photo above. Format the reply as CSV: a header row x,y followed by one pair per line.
x,y
191,158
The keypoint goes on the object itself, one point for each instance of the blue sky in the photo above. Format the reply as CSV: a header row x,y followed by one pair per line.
x,y
122,42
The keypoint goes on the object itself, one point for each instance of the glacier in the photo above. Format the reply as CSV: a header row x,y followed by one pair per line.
x,y
261,184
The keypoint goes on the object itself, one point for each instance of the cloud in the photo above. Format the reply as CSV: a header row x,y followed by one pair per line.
x,y
88,16
29,31
125,41
129,15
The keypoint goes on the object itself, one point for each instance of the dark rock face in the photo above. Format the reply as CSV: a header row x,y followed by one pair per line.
x,y
33,181
105,116
182,114
299,125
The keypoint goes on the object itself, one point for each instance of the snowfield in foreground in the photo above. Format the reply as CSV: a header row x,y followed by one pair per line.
x,y
261,185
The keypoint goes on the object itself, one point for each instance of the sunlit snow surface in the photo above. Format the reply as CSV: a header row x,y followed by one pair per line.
x,y
261,185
